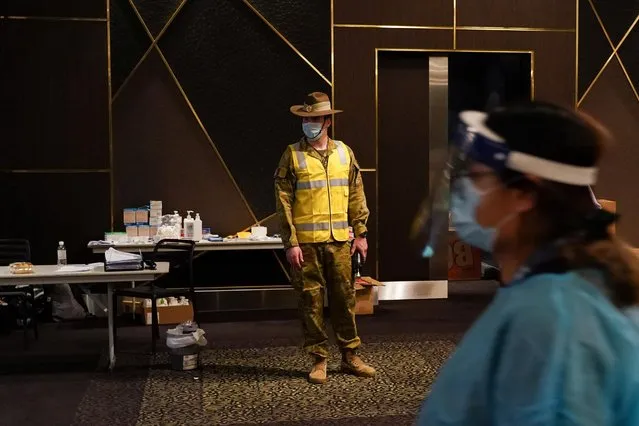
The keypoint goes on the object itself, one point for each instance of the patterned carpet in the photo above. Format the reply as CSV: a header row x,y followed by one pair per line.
x,y
268,386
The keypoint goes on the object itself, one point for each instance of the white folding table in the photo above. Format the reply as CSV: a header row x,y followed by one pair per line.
x,y
49,274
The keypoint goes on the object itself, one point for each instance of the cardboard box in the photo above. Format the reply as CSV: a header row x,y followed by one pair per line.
x,y
365,292
464,260
170,314
166,314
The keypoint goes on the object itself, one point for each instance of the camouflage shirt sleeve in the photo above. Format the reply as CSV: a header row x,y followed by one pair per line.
x,y
357,209
284,196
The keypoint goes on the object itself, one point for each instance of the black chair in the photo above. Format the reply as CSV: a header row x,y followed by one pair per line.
x,y
179,254
22,297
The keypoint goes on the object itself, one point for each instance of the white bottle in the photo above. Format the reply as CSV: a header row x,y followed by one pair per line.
x,y
189,226
197,231
62,253
178,223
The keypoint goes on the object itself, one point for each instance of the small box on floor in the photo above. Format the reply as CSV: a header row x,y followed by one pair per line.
x,y
365,292
170,314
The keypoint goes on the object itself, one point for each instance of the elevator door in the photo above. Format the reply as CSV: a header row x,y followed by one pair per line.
x,y
419,97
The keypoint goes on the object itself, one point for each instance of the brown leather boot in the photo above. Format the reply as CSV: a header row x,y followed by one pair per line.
x,y
353,364
318,372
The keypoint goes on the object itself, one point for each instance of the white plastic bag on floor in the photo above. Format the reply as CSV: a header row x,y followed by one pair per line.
x,y
175,339
63,304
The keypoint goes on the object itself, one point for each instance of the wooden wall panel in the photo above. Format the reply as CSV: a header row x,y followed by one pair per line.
x,y
398,12
554,58
517,13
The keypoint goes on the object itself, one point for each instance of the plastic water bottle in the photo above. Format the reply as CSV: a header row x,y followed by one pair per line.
x,y
62,253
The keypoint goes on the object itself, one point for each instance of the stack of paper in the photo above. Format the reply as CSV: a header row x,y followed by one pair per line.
x,y
116,260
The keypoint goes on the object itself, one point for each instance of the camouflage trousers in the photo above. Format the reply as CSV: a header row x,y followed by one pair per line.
x,y
326,270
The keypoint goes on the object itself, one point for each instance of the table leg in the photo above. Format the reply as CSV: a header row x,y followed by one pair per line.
x,y
111,324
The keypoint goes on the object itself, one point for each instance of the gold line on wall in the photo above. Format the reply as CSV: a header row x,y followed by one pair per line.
x,y
54,18
54,171
576,52
532,75
367,170
156,40
517,29
110,112
376,163
454,24
141,19
281,36
333,66
206,133
392,27
612,45
612,55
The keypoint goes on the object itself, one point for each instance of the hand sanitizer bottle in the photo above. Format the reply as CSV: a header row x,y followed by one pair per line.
x,y
189,226
197,230
62,253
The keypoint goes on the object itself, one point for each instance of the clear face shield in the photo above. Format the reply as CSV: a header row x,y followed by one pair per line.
x,y
474,143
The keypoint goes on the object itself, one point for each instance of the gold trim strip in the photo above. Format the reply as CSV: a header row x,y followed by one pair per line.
x,y
333,65
517,29
455,27
625,71
110,83
613,54
250,6
156,40
54,18
368,170
141,19
206,133
54,171
392,27
576,53
392,49
454,24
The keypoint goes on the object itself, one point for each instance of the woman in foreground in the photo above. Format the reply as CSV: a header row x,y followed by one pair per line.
x,y
558,345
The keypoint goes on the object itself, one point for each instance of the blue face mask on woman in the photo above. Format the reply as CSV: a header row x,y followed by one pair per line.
x,y
464,199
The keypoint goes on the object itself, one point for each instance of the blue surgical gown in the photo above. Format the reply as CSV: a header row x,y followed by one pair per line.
x,y
550,350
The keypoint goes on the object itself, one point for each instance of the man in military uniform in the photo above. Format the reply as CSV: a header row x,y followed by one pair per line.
x,y
319,193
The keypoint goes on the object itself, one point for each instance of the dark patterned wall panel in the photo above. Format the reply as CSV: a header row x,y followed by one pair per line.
x,y
612,102
355,79
55,8
629,54
617,16
517,13
398,12
53,207
48,119
161,153
156,13
241,78
554,58
129,41
593,45
306,24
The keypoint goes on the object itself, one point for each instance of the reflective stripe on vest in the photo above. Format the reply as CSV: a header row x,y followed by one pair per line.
x,y
320,206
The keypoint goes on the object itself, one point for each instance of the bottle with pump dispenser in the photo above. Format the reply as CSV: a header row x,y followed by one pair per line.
x,y
189,226
197,229
62,253
178,223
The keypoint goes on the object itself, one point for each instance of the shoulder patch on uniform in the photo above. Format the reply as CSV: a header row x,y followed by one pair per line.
x,y
280,173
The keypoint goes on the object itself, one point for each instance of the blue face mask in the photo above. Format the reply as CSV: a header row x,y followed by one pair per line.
x,y
312,131
464,200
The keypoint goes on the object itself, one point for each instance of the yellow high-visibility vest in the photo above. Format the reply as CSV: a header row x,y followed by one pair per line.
x,y
320,207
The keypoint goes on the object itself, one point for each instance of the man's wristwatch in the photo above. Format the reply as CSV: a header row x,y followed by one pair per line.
x,y
363,235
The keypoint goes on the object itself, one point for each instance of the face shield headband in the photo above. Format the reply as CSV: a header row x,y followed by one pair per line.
x,y
474,142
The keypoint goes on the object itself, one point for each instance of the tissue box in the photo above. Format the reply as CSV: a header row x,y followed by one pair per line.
x,y
365,295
